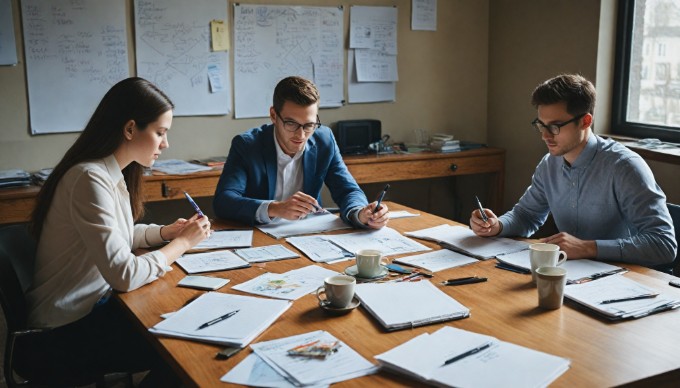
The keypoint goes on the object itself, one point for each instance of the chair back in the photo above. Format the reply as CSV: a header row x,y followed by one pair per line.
x,y
17,258
675,216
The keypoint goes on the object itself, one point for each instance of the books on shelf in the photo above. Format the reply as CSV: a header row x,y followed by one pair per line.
x,y
453,357
253,315
402,305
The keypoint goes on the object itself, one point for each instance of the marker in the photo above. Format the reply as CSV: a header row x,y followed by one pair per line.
x,y
481,210
643,296
218,319
468,353
380,198
191,201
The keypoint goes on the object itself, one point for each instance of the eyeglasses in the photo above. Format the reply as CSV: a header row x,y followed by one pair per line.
x,y
293,126
553,129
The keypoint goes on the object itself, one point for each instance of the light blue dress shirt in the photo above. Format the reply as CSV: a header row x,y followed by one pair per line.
x,y
608,195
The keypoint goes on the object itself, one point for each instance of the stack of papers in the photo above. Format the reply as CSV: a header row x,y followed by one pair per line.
x,y
266,253
253,317
499,364
437,260
403,305
578,271
290,285
464,240
611,288
319,249
211,261
312,224
14,178
222,239
386,240
177,167
39,177
343,364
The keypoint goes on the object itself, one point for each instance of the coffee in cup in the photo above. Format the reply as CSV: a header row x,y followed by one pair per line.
x,y
545,255
368,263
550,282
338,291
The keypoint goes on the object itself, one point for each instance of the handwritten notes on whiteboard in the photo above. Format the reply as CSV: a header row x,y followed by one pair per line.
x,y
274,42
174,52
75,52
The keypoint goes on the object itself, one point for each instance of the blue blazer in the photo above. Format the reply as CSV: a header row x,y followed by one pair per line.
x,y
249,175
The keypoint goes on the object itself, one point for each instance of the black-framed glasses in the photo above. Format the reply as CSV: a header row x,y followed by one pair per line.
x,y
553,129
293,126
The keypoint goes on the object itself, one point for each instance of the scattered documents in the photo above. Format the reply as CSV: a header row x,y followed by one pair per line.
x,y
211,261
222,239
464,240
203,282
386,240
459,358
344,364
319,249
14,178
253,317
177,167
437,260
254,372
635,299
290,285
578,271
402,214
266,253
403,305
313,223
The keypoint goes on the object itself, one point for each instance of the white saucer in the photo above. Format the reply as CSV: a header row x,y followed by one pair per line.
x,y
353,271
354,303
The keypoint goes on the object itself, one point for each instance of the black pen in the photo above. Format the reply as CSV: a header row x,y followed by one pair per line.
x,y
461,281
468,353
481,210
636,297
513,269
218,319
380,198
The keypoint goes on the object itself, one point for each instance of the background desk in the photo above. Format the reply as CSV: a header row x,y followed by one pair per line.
x,y
643,351
16,204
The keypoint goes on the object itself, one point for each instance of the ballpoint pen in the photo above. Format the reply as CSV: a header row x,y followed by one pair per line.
x,y
218,319
191,201
380,198
481,210
468,353
461,281
513,269
636,297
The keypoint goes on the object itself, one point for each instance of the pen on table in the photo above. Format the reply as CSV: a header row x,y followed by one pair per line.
x,y
380,198
513,269
191,201
218,319
461,281
468,353
636,297
481,210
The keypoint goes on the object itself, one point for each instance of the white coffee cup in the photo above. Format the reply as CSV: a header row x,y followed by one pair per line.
x,y
545,255
550,282
339,290
368,263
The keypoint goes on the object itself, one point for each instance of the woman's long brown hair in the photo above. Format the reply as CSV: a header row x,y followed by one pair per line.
x,y
131,99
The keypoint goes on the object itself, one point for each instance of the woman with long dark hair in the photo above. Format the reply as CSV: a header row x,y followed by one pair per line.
x,y
84,223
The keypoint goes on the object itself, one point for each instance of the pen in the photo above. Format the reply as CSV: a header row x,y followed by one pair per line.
x,y
513,269
643,296
461,281
380,198
218,319
468,353
191,201
481,210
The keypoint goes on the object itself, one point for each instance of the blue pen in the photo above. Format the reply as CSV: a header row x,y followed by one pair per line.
x,y
191,201
380,198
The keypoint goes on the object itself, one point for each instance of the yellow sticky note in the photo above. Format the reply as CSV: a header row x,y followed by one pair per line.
x,y
220,35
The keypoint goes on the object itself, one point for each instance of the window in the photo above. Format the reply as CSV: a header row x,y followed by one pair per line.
x,y
646,101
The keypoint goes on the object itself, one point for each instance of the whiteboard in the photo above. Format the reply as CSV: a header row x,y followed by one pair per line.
x,y
75,51
173,52
274,42
8,48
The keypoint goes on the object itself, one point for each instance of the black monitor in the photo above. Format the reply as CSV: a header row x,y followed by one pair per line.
x,y
354,136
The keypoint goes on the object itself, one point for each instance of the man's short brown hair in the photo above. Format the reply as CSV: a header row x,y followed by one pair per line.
x,y
574,89
296,90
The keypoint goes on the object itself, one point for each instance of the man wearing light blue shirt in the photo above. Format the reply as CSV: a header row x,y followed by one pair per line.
x,y
603,197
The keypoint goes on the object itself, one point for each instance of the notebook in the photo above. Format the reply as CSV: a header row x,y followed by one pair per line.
x,y
402,305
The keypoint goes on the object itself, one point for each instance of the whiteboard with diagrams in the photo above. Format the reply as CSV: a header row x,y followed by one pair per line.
x,y
173,51
274,42
75,52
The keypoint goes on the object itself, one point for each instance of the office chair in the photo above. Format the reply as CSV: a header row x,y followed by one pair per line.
x,y
17,256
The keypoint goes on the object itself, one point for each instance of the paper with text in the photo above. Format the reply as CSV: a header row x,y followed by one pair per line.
x,y
211,261
313,223
266,253
387,240
221,239
290,285
319,249
437,260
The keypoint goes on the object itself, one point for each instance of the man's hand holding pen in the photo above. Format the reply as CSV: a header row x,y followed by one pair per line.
x,y
375,215
484,222
296,207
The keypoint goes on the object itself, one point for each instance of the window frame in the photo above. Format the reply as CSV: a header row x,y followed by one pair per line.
x,y
622,59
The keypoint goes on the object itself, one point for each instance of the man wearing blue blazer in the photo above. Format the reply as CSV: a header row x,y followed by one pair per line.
x,y
277,171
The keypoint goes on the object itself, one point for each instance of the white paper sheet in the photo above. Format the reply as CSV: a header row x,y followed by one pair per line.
x,y
437,260
313,223
319,249
290,285
211,261
266,253
221,239
387,240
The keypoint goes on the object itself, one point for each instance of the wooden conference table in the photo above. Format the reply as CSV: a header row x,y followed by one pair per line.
x,y
642,351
